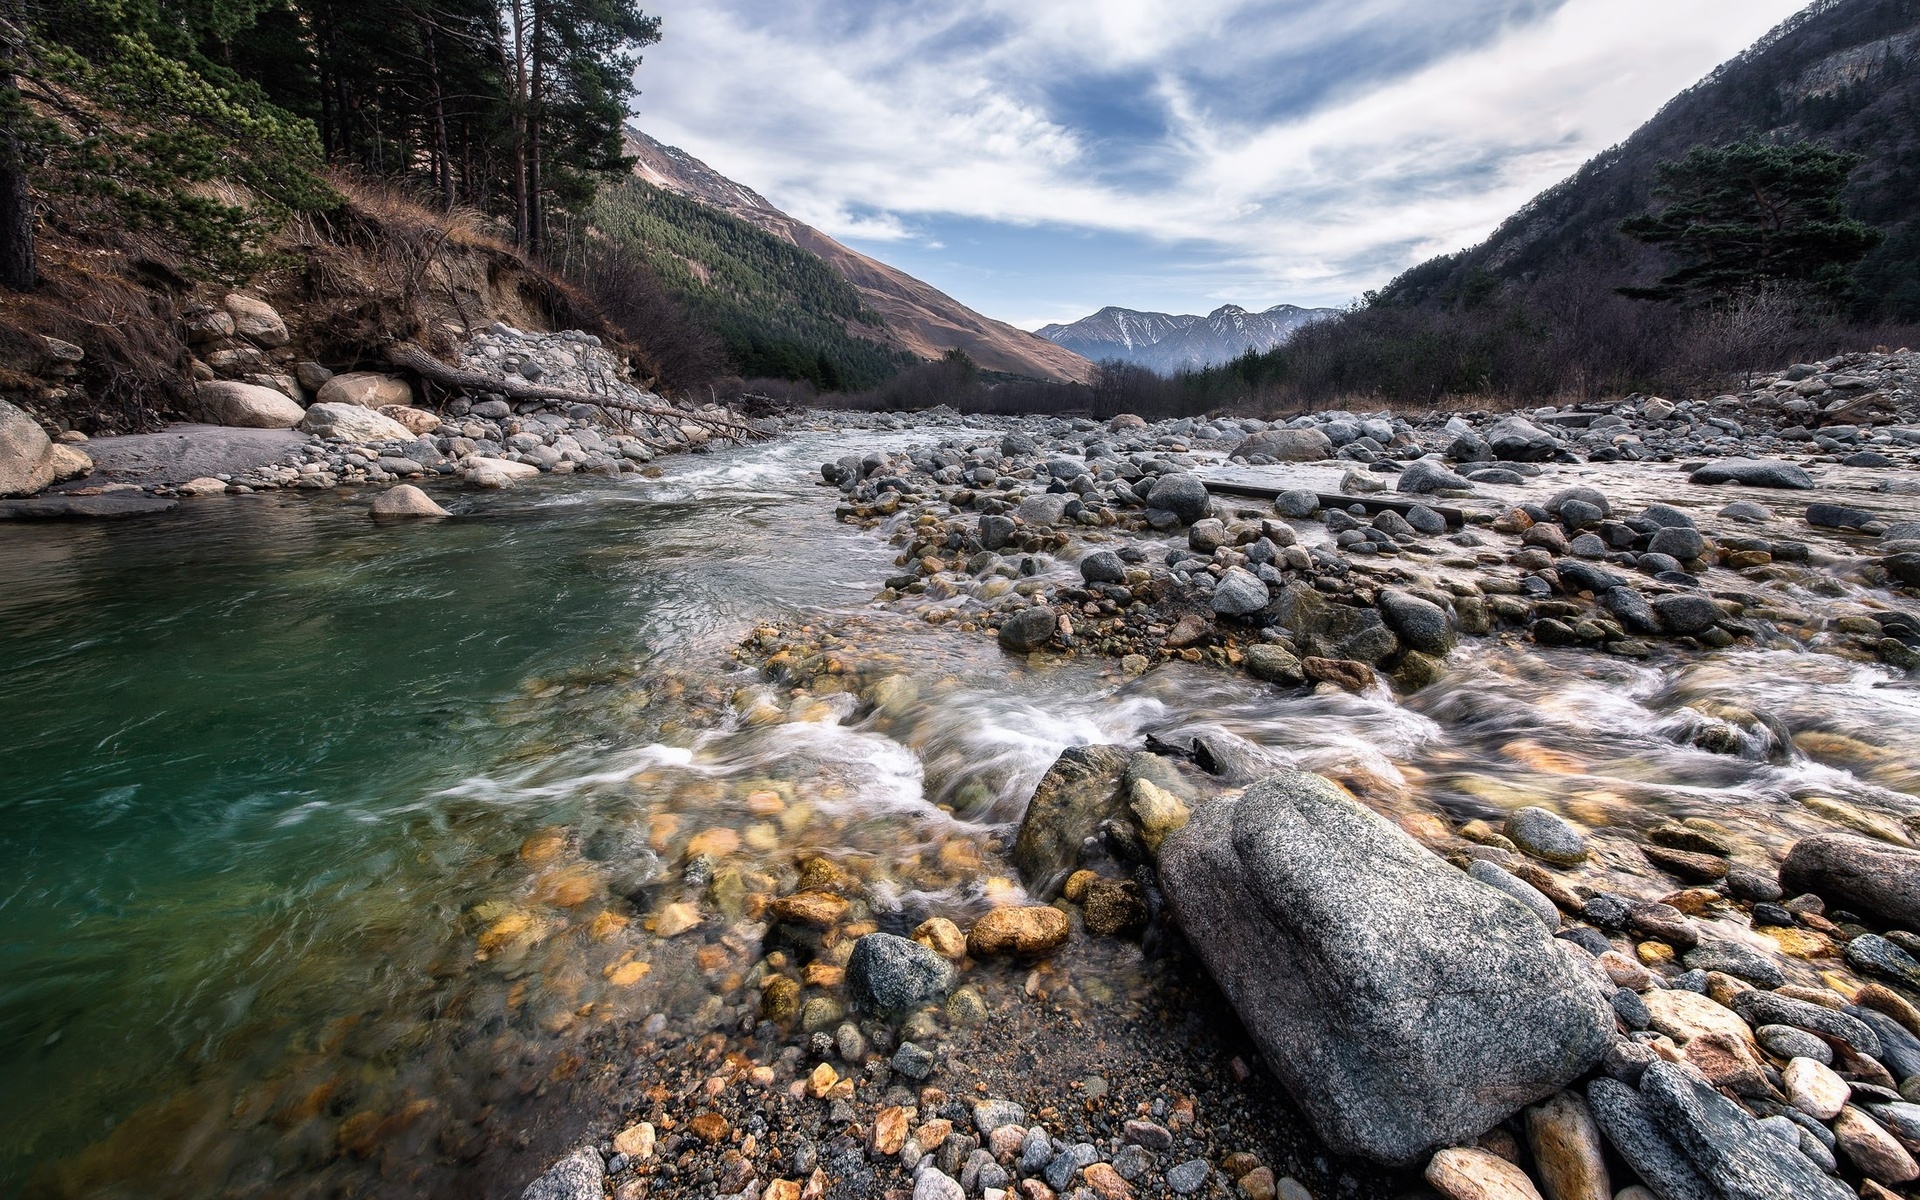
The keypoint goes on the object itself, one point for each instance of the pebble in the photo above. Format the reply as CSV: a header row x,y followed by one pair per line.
x,y
1188,1177
1465,1174
1784,1041
1567,1149
1546,835
1814,1089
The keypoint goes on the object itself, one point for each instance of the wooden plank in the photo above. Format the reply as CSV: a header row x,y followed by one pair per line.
x,y
1373,504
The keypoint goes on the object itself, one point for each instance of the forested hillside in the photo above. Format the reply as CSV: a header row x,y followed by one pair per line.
x,y
1842,73
781,311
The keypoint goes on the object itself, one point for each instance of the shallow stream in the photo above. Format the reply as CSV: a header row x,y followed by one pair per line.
x,y
330,846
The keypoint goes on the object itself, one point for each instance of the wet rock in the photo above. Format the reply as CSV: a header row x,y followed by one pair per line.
x,y
1869,1147
1424,476
1784,1041
1838,516
1683,543
1420,624
1028,630
1814,1089
1027,931
997,530
1112,907
1083,789
1683,615
1275,665
1286,445
1871,954
1753,473
1238,593
405,501
1737,960
1770,1008
1567,1151
1727,1145
890,974
1297,503
1343,673
1546,835
912,1060
1630,608
1181,494
579,1176
1683,1015
1636,1132
1367,969
1685,864
1866,876
1468,1174
1103,566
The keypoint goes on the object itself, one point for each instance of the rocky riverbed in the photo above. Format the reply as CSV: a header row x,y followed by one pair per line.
x,y
1355,806
1578,1000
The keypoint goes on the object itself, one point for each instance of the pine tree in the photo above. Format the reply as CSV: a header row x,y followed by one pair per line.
x,y
1750,215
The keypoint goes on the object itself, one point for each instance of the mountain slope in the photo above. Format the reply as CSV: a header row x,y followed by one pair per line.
x,y
1846,72
919,319
780,310
1169,343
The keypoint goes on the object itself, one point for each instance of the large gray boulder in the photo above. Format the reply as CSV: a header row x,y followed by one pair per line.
x,y
1181,494
1867,876
26,453
247,406
1286,445
1516,439
1754,472
1404,1005
352,423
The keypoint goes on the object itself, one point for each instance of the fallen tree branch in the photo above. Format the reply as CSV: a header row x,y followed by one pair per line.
x,y
417,360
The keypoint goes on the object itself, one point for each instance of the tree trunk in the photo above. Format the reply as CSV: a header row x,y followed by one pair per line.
x,y
19,264
536,120
520,226
442,157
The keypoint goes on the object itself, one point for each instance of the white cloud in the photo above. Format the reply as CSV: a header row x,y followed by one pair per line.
x,y
867,123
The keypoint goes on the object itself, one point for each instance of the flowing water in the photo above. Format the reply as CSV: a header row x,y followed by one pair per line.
x,y
331,847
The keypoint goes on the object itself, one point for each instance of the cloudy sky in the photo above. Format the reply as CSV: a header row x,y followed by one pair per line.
x,y
1039,159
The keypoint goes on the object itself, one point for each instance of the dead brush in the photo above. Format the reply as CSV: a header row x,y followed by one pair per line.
x,y
381,268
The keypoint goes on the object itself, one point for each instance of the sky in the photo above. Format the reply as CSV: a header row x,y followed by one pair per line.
x,y
1041,159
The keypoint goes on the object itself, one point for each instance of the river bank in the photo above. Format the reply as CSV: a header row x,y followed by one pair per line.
x,y
742,717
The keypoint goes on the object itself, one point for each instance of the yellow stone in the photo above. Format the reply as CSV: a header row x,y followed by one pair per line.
x,y
629,974
765,804
508,929
1027,930
1654,954
1076,885
714,843
635,1141
569,888
763,837
822,1081
543,846
1800,943
606,925
1552,762
676,919
1858,819
942,937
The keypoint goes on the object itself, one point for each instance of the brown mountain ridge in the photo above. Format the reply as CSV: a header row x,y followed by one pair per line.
x,y
921,319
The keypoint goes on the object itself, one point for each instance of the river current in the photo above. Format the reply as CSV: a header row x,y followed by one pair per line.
x,y
328,848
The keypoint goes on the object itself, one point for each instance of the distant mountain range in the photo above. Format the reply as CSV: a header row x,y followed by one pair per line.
x,y
918,319
1168,343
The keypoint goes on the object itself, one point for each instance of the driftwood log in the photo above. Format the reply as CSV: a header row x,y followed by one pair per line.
x,y
417,360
